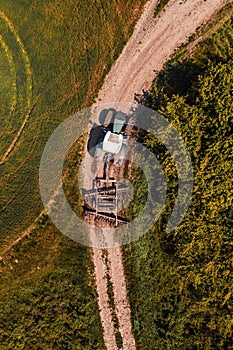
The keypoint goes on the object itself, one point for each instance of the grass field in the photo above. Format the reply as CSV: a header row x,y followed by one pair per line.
x,y
59,54
54,56
48,298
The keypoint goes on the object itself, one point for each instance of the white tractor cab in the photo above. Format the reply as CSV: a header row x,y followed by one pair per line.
x,y
114,142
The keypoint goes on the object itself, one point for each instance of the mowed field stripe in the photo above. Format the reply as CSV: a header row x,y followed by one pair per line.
x,y
18,133
28,71
25,56
12,70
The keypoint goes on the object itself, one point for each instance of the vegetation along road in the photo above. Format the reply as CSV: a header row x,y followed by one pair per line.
x,y
152,43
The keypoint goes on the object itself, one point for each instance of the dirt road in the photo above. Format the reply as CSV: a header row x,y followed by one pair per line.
x,y
151,44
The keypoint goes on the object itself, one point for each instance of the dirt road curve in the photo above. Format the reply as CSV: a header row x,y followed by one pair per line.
x,y
152,42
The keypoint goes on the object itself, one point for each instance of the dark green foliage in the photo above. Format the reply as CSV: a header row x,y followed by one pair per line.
x,y
218,47
160,6
180,284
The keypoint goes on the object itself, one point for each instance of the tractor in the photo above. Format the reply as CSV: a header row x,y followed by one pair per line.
x,y
108,141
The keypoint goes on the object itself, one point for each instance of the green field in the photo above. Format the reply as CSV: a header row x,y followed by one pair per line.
x,y
54,56
180,284
48,298
61,52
